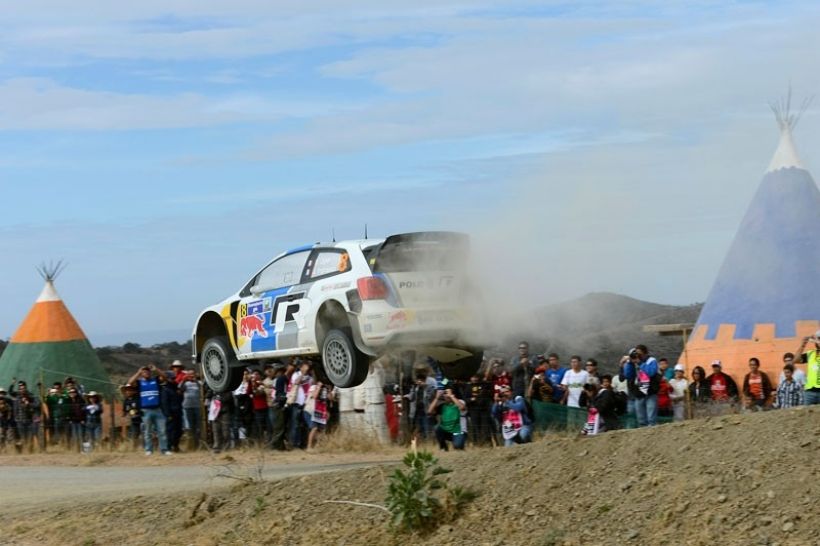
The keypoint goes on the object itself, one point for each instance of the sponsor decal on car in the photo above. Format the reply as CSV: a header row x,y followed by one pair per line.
x,y
252,320
400,319
337,286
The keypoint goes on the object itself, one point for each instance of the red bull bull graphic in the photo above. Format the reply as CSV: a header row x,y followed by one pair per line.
x,y
398,320
252,325
252,320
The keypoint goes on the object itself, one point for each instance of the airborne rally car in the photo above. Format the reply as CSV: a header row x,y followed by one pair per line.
x,y
347,302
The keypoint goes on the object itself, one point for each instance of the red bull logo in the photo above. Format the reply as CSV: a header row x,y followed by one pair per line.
x,y
252,325
397,320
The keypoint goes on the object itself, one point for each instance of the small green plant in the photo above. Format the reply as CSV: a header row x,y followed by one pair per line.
x,y
261,504
553,537
457,498
414,495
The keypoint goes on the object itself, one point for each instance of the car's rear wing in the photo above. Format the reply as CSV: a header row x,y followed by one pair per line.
x,y
426,250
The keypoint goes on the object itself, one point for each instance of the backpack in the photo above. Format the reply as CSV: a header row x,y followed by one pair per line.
x,y
621,400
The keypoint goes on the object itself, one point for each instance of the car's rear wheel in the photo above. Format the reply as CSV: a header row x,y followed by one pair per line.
x,y
463,368
219,365
344,365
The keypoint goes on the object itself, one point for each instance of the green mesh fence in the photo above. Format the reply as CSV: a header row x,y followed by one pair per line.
x,y
555,417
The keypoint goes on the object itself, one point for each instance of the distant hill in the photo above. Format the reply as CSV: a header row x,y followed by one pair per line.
x,y
602,326
122,362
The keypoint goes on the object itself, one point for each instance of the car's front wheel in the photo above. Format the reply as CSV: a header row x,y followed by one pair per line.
x,y
219,365
344,365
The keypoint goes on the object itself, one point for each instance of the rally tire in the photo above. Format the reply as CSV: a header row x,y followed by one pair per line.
x,y
219,365
463,368
344,365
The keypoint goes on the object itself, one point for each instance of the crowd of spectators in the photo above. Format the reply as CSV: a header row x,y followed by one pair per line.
x,y
515,397
287,406
73,417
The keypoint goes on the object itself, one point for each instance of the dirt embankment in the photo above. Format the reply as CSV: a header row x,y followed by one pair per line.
x,y
751,479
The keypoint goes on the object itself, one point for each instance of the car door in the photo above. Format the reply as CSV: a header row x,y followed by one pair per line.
x,y
270,306
324,279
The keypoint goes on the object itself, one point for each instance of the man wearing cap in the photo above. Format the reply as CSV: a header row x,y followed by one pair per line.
x,y
93,419
170,401
812,361
132,412
177,372
721,386
56,403
680,388
146,380
511,413
643,375
449,409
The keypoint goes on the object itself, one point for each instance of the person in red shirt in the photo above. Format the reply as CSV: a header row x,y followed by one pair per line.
x,y
664,400
722,387
259,401
757,388
179,371
498,375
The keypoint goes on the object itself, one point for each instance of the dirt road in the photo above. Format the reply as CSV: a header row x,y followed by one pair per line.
x,y
25,487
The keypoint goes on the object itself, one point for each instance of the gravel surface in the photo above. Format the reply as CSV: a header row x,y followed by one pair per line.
x,y
30,486
735,480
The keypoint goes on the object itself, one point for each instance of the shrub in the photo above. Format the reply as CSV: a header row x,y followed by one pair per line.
x,y
413,495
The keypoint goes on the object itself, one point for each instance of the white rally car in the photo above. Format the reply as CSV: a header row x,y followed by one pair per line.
x,y
347,303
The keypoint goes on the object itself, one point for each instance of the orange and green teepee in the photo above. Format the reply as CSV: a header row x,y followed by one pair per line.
x,y
49,346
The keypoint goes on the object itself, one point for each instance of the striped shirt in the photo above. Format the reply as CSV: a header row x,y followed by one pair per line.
x,y
789,394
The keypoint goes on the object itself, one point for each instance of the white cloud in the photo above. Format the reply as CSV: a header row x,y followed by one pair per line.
x,y
41,104
501,76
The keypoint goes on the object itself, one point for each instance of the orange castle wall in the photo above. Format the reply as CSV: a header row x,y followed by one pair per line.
x,y
735,353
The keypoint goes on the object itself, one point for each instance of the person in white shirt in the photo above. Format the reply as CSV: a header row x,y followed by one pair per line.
x,y
799,376
680,388
301,381
573,383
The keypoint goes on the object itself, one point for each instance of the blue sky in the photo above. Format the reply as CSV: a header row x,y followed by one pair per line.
x,y
167,149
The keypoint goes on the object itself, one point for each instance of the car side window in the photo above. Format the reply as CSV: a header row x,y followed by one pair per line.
x,y
286,271
325,263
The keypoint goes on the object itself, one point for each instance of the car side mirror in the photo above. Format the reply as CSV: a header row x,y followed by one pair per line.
x,y
257,290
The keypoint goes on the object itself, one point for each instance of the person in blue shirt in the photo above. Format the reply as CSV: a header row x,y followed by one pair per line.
x,y
665,370
555,374
146,380
643,376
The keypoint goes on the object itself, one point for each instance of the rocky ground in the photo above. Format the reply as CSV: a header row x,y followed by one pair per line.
x,y
739,479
